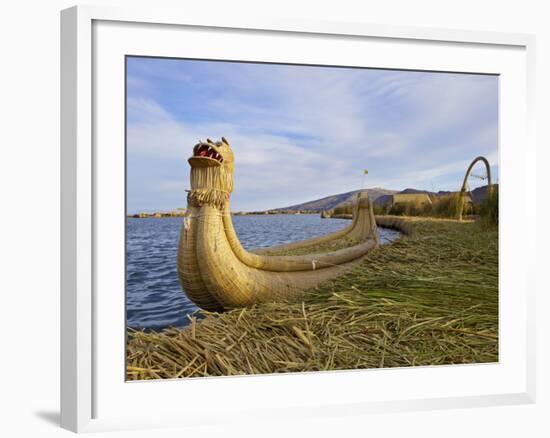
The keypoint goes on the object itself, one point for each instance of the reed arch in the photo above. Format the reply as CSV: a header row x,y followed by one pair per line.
x,y
467,175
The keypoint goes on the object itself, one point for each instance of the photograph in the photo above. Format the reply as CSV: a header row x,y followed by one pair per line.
x,y
288,218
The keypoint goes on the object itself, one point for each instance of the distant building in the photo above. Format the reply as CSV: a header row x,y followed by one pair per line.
x,y
178,212
416,199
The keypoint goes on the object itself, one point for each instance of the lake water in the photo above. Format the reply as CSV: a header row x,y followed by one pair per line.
x,y
154,298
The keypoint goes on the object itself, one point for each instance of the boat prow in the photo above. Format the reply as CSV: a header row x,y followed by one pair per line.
x,y
217,273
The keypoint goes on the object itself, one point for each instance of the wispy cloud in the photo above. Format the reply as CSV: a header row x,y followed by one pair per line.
x,y
304,132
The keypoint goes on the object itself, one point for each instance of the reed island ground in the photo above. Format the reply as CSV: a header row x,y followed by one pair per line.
x,y
429,298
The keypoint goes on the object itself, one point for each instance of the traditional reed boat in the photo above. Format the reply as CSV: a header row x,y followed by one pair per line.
x,y
217,273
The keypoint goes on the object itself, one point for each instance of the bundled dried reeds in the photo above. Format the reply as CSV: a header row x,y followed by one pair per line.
x,y
430,298
217,273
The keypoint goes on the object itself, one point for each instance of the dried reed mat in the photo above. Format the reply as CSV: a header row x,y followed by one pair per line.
x,y
430,298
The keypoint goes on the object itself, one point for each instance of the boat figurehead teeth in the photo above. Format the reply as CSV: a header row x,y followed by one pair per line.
x,y
210,149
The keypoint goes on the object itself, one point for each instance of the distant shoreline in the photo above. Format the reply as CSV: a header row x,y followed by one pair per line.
x,y
161,215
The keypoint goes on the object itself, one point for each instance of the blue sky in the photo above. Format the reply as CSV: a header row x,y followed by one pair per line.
x,y
300,132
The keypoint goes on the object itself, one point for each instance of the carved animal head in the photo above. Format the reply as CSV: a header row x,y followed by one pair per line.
x,y
212,167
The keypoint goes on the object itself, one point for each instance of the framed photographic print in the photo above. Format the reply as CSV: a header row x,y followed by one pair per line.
x,y
291,218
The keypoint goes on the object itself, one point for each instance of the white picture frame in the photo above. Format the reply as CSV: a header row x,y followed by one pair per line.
x,y
90,37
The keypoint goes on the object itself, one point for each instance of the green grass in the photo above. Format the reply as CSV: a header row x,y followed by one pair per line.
x,y
430,298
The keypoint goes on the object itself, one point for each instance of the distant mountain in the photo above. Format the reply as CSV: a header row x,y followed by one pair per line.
x,y
479,194
330,202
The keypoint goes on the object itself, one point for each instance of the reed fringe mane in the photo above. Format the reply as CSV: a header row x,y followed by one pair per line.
x,y
215,198
210,186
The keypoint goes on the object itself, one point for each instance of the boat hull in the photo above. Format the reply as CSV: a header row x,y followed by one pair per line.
x,y
218,274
